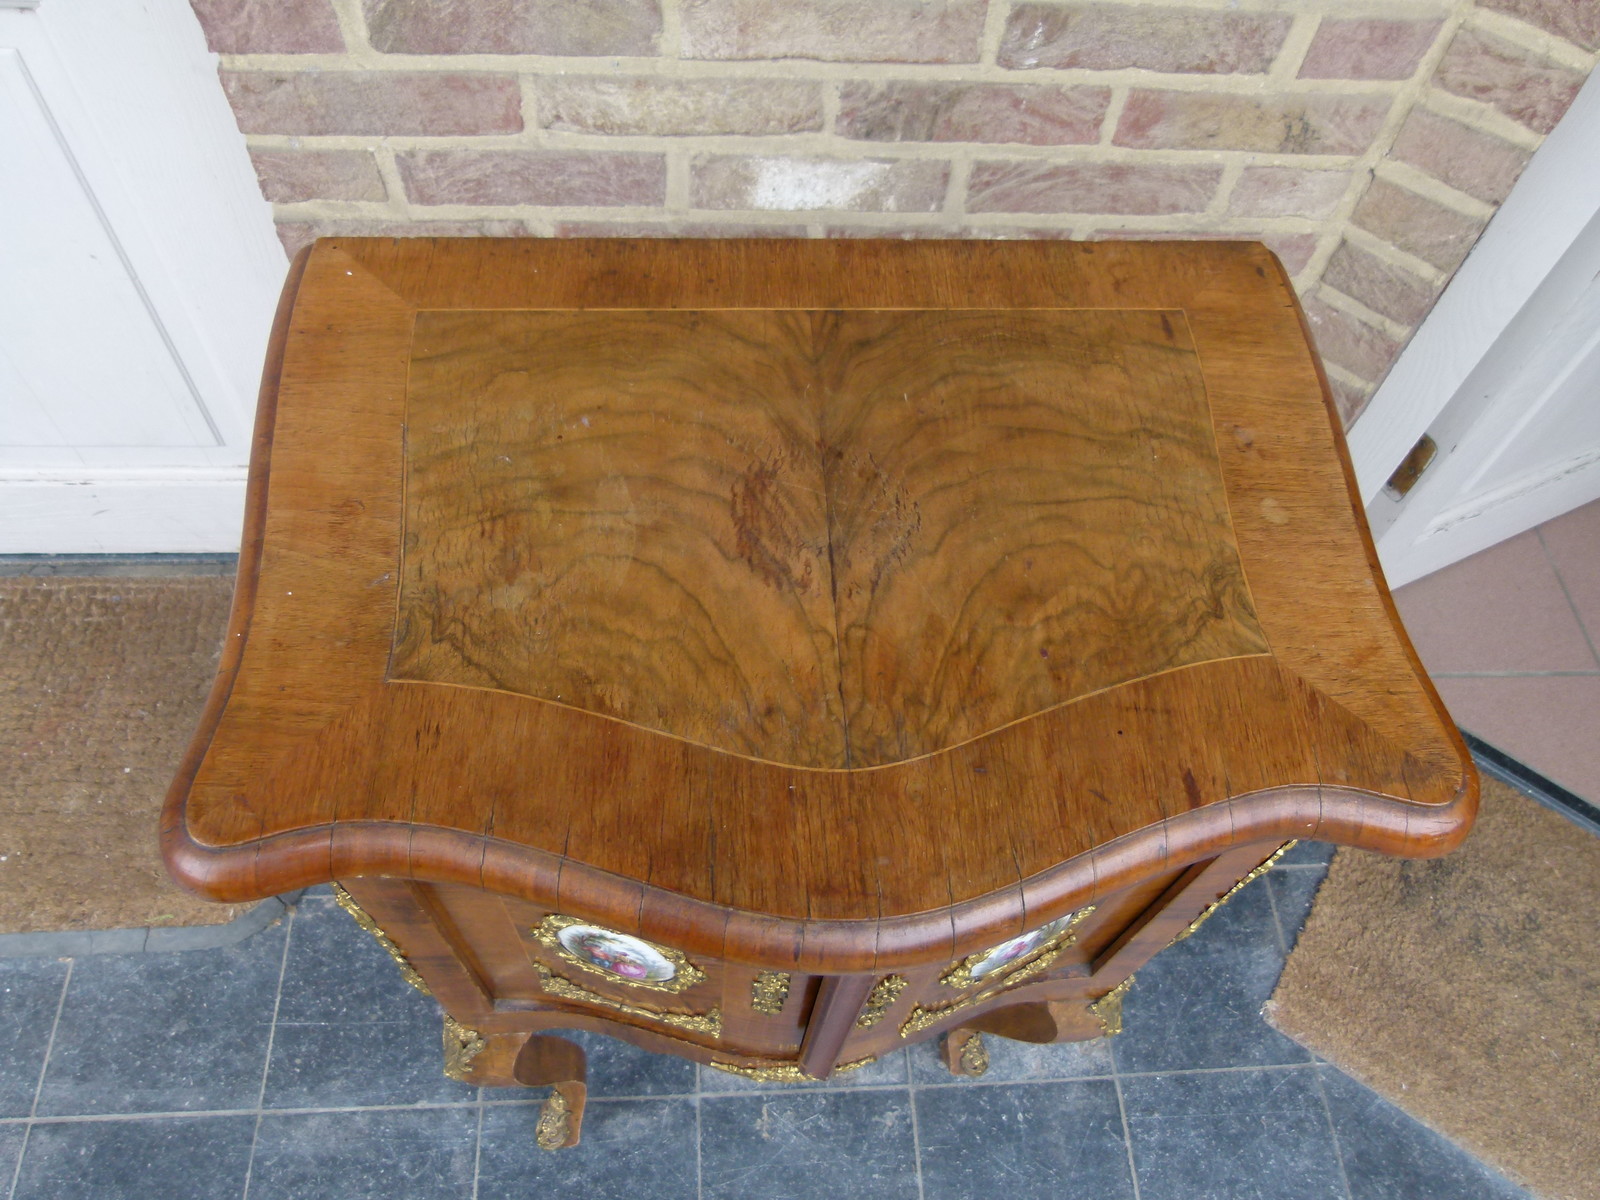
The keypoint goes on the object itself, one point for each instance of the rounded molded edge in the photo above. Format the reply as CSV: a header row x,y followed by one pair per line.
x,y
174,830
308,857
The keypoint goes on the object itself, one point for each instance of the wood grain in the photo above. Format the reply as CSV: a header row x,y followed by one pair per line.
x,y
666,517
1171,731
1025,508
625,513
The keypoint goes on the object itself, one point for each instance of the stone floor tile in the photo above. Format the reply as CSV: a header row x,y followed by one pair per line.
x,y
1023,1141
1388,1154
1198,1004
620,1069
629,1149
1502,609
350,1030
805,1144
1232,1134
1292,894
30,993
1572,543
11,1139
165,1032
1545,722
346,1064
174,1158
336,972
382,1154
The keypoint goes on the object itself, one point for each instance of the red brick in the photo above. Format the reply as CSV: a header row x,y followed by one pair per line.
x,y
943,31
288,176
1367,49
374,102
1309,124
1576,20
669,107
1108,37
1359,348
578,27
1349,401
1133,188
1477,163
544,177
1287,192
276,27
1529,89
1383,287
295,234
1417,225
1294,250
785,184
909,111
673,229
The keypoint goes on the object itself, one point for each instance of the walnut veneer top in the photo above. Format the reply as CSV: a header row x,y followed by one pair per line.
x,y
849,602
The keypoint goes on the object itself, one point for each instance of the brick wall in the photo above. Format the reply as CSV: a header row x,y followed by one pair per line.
x,y
1366,142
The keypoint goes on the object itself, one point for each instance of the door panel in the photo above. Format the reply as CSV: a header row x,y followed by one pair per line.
x,y
85,361
138,276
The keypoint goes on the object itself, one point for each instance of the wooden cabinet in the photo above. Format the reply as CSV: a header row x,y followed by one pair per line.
x,y
774,653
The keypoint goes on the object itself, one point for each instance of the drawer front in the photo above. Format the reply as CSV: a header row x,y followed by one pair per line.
x,y
743,1013
608,971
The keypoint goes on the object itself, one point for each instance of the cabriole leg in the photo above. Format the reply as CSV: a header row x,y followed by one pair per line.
x,y
964,1053
558,1064
524,1060
1043,1021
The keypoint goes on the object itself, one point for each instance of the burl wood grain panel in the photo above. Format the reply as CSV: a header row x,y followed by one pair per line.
x,y
822,539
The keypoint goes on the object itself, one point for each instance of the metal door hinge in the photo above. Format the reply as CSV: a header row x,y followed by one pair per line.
x,y
1411,467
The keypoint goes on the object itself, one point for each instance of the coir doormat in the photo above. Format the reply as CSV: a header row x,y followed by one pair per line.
x,y
101,685
1466,989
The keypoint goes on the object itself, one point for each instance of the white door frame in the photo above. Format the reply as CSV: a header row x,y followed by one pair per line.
x,y
1474,327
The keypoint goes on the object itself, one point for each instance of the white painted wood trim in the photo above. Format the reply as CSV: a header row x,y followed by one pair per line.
x,y
1520,443
131,513
1556,197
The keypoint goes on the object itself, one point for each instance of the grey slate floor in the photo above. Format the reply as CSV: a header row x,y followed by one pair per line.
x,y
297,1065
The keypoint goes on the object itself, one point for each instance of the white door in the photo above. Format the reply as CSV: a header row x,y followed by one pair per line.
x,y
1503,376
138,275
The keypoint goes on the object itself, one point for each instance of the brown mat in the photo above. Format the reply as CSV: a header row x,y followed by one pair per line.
x,y
101,685
1466,990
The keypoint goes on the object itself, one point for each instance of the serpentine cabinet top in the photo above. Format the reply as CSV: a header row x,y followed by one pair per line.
x,y
849,602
